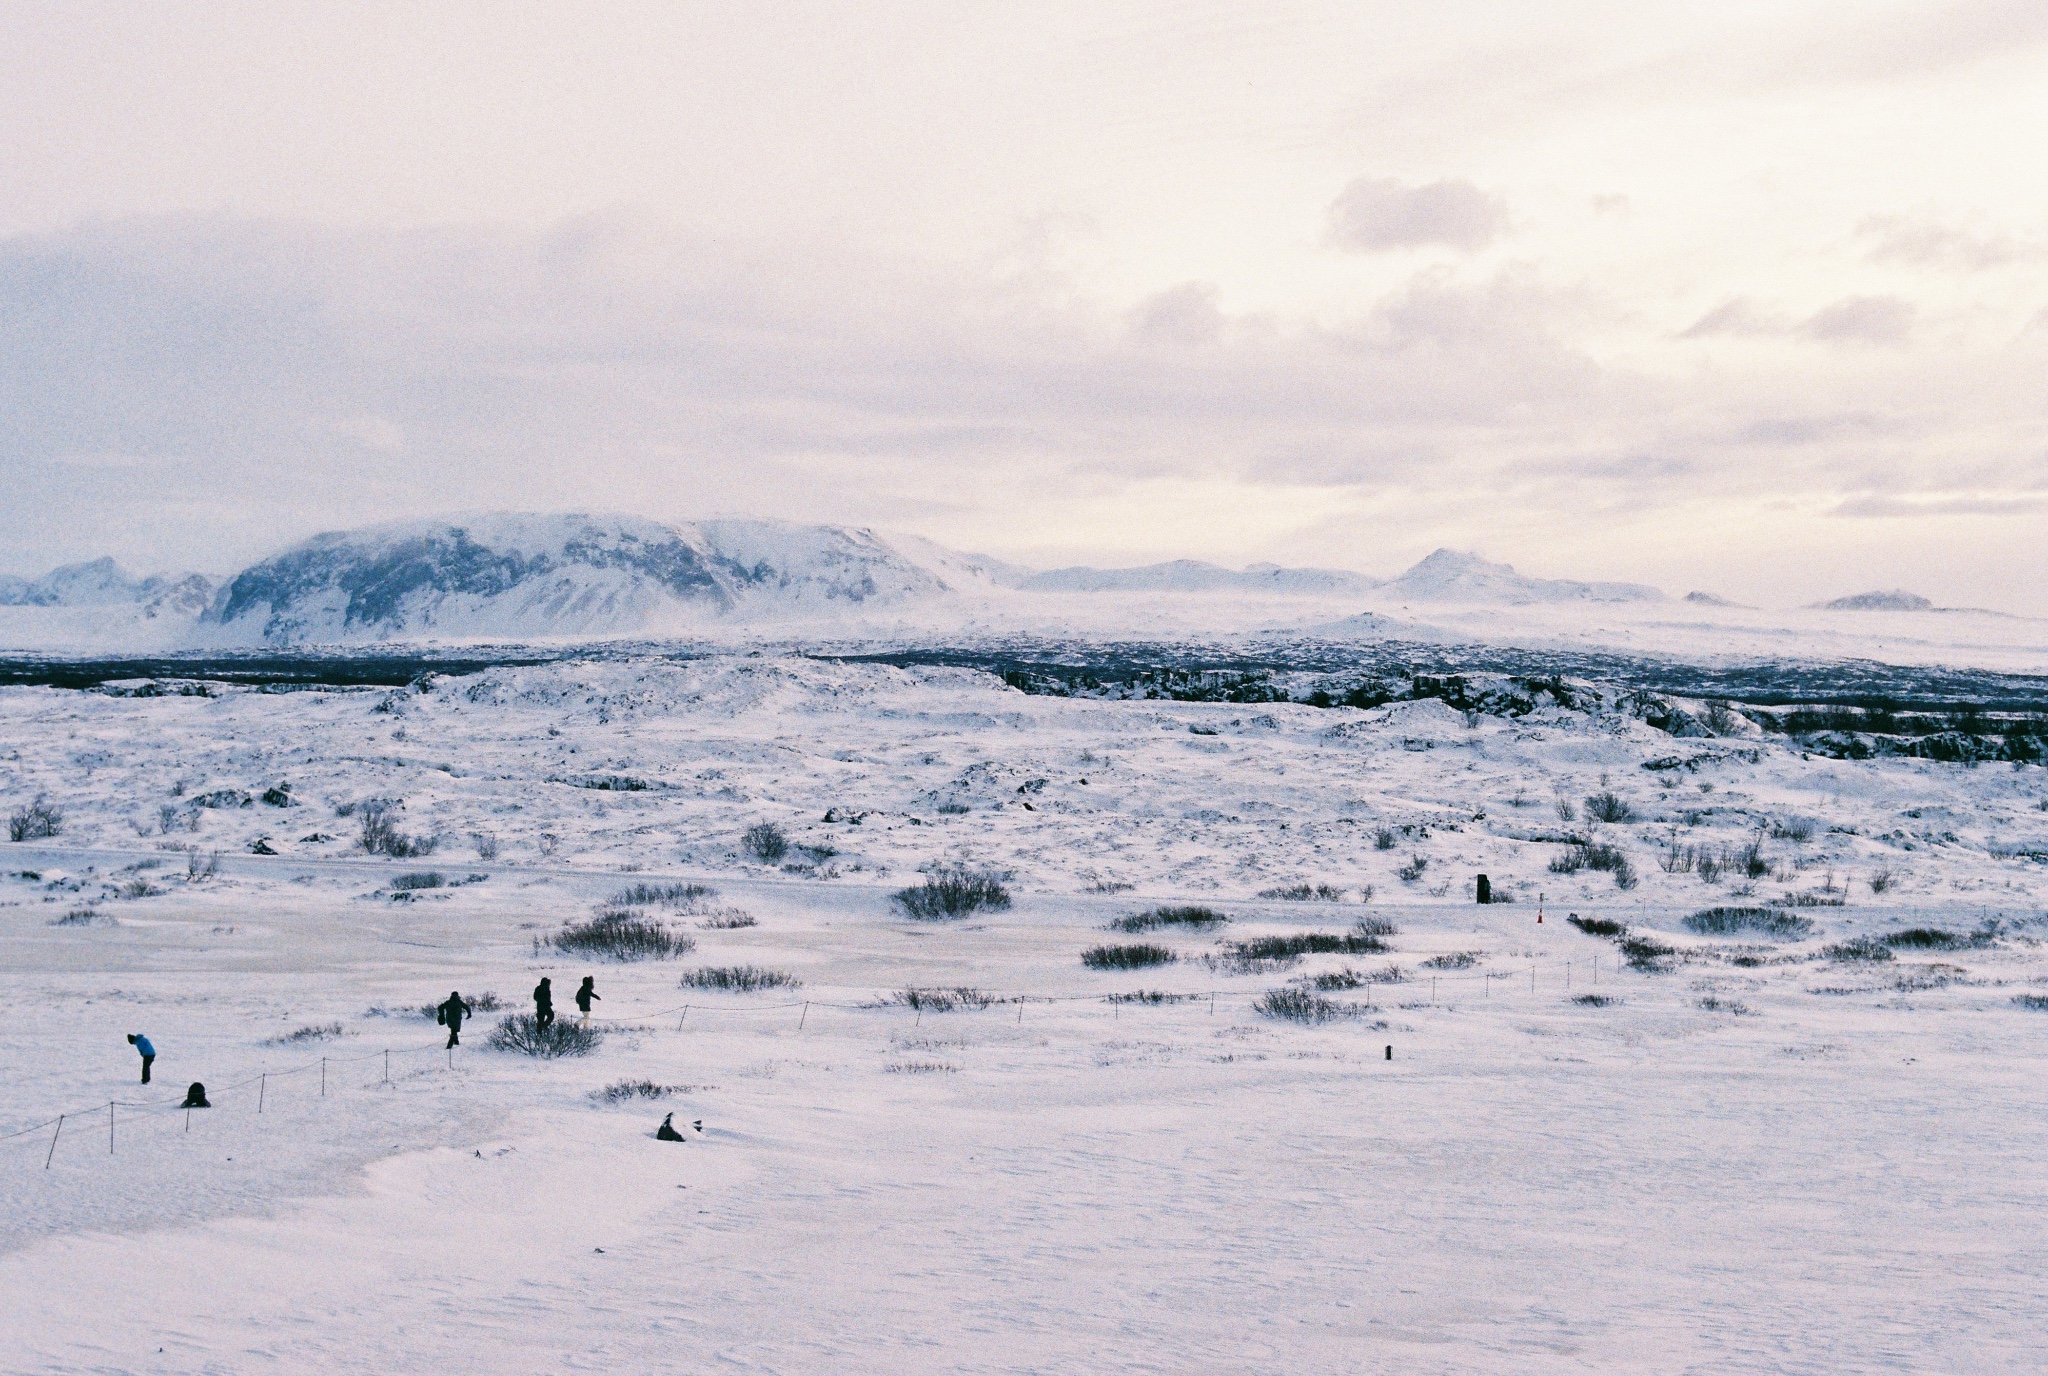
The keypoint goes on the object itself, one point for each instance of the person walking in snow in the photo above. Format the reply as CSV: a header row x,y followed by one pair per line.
x,y
142,1044
543,1004
451,1014
585,992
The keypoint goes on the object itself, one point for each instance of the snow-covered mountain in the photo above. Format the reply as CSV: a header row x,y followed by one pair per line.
x,y
518,576
1453,576
104,583
1193,575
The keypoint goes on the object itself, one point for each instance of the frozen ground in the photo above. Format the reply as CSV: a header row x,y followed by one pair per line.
x,y
1760,1155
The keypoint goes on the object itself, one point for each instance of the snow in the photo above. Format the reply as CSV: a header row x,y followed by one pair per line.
x,y
1762,1157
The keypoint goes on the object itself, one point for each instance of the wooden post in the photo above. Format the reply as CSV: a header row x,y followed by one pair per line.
x,y
53,1141
262,1084
323,1079
806,1014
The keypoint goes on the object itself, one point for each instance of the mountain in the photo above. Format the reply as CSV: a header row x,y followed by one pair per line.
x,y
1897,600
1192,575
1452,576
514,576
104,583
1708,599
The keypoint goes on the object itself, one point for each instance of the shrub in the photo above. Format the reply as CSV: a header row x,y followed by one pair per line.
x,y
1590,855
1135,957
1714,1004
559,1038
1594,1000
765,842
1608,806
944,1000
1383,839
1375,926
1297,944
952,809
621,934
743,978
1452,960
1861,948
1331,981
419,879
138,888
486,845
1769,921
2037,1002
727,920
1415,868
1925,938
1151,996
1596,926
36,822
1304,893
1642,953
1752,861
1881,879
77,917
674,895
316,1032
1300,1005
380,834
486,1002
1187,916
623,1091
199,867
1798,830
953,893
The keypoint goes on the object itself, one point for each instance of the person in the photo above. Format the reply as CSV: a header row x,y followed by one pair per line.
x,y
142,1044
195,1097
451,1014
543,1004
667,1131
585,992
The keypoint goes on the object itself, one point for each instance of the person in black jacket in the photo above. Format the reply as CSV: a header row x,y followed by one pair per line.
x,y
543,1004
585,992
450,1015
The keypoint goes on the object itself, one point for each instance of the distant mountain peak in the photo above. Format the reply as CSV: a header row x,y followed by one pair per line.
x,y
1450,575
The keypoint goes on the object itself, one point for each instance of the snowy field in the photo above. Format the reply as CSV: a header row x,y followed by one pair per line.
x,y
1663,1149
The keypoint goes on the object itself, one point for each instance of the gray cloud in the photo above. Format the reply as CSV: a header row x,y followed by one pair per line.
x,y
1930,244
1879,320
1376,214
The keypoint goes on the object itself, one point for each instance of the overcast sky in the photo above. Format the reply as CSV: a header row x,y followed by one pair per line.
x,y
1750,297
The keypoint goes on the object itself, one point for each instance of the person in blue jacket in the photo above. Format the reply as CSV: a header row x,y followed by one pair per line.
x,y
142,1044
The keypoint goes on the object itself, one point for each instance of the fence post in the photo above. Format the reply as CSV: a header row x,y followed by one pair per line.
x,y
53,1141
262,1084
387,1066
806,1014
323,1080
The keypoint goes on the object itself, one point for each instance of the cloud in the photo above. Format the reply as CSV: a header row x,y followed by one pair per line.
x,y
1929,244
1374,215
1186,314
1877,320
1870,320
1945,504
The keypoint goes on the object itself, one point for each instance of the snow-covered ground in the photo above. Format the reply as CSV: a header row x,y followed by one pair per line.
x,y
1761,1153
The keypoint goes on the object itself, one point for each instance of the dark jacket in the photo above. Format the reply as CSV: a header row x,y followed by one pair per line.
x,y
543,995
454,1010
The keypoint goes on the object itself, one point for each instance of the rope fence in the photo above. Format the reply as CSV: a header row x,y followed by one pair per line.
x,y
978,1001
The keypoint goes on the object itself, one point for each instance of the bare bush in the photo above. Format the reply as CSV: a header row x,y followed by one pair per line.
x,y
1768,921
945,1000
1608,806
486,845
38,821
1859,948
316,1032
728,919
1132,957
1416,867
1881,879
1301,1005
380,833
1596,926
1797,830
953,893
765,842
520,1033
672,895
419,879
1190,915
621,934
741,978
1304,893
1383,839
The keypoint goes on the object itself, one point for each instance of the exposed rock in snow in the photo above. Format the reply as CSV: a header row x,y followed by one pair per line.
x,y
1897,600
1708,599
1453,576
104,583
